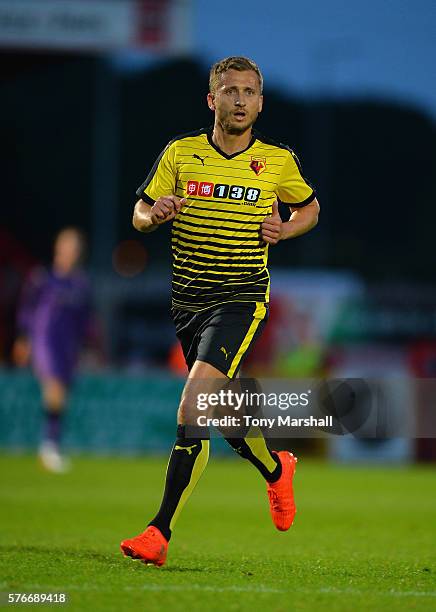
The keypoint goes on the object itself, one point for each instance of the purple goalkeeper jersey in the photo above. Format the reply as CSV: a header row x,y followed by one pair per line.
x,y
54,315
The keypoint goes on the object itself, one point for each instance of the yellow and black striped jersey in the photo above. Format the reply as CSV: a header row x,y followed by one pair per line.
x,y
218,253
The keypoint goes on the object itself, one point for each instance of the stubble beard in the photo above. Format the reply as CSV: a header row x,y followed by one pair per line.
x,y
234,129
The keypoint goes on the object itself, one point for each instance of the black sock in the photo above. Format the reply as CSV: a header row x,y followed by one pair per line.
x,y
186,464
254,448
52,426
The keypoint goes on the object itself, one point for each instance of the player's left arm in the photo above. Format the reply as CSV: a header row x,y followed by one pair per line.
x,y
301,221
294,190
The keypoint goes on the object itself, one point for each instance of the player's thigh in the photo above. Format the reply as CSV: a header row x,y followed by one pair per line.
x,y
204,379
230,334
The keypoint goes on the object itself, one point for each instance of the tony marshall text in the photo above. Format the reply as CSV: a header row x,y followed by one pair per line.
x,y
270,422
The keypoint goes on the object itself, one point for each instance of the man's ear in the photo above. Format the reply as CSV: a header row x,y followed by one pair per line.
x,y
260,104
211,101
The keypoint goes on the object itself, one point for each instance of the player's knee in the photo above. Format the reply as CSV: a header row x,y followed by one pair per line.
x,y
189,408
54,394
185,412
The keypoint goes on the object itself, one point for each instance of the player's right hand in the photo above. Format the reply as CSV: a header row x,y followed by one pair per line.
x,y
165,209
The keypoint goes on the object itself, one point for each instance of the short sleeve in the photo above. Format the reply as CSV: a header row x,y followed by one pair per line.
x,y
293,189
162,178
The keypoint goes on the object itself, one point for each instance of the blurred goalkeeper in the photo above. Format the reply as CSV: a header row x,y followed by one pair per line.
x,y
219,188
52,321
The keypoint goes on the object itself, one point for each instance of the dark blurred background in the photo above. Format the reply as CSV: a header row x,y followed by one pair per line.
x,y
92,91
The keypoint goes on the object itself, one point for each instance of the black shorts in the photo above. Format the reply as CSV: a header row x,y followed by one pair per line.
x,y
221,336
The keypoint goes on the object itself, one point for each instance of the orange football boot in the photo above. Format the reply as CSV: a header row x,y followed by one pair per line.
x,y
149,546
281,494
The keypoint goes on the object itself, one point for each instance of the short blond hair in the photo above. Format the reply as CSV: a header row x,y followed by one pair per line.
x,y
233,63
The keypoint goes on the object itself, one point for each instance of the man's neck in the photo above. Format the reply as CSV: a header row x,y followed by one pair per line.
x,y
61,270
230,143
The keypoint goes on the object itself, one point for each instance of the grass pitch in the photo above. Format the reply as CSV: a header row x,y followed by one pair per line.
x,y
363,538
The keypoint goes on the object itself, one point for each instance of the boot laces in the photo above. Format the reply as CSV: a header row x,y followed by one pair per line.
x,y
274,500
148,536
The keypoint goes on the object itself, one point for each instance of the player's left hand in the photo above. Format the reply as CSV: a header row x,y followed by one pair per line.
x,y
271,228
21,352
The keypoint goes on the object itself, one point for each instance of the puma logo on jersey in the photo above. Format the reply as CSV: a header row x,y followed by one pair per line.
x,y
186,448
195,156
223,350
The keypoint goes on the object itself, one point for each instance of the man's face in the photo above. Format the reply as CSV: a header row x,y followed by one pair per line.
x,y
237,100
67,250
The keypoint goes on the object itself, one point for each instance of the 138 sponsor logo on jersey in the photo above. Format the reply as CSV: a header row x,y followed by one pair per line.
x,y
223,191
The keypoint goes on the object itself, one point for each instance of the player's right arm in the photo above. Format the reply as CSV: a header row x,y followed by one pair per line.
x,y
29,299
147,217
157,203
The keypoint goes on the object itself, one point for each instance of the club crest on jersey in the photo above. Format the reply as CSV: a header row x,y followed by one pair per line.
x,y
258,165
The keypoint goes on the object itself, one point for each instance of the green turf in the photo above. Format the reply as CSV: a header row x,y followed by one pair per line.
x,y
363,538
